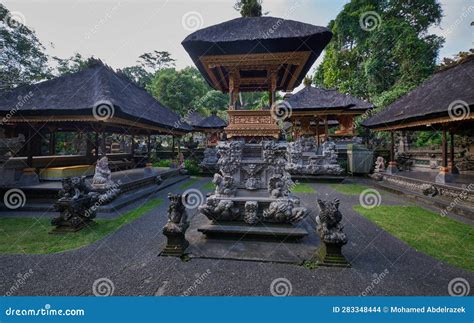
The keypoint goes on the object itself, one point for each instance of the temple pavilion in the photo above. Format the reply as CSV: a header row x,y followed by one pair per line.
x,y
255,54
442,103
315,110
94,104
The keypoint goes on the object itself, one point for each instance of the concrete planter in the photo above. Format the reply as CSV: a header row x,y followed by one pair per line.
x,y
359,159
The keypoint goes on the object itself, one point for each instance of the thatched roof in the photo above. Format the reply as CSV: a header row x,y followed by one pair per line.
x,y
194,118
432,99
315,98
246,36
212,122
77,94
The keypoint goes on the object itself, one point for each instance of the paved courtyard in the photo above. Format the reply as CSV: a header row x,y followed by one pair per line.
x,y
381,264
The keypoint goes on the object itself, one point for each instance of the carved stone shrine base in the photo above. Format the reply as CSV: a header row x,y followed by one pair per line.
x,y
330,255
267,232
176,244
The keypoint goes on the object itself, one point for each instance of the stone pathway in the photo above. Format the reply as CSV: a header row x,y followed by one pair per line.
x,y
382,264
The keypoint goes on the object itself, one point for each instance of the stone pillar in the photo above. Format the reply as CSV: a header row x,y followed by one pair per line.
x,y
392,164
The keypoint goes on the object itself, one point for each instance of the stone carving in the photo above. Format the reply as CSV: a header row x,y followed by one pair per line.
x,y
175,228
379,165
210,159
279,185
219,210
304,159
429,190
330,229
103,176
252,170
230,155
285,211
224,185
76,205
251,212
10,146
329,222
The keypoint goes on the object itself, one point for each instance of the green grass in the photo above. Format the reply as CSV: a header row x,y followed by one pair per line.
x,y
440,237
31,236
349,189
302,188
188,183
210,186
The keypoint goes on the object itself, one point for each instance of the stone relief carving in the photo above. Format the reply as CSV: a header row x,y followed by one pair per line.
x,y
224,185
285,211
329,223
251,212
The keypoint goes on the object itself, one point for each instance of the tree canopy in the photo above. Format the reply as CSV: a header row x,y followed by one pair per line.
x,y
249,8
381,49
22,57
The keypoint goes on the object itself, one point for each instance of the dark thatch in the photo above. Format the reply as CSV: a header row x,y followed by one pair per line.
x,y
432,98
194,118
78,93
212,122
257,35
314,98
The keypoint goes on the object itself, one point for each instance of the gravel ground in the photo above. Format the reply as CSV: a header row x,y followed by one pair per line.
x,y
128,259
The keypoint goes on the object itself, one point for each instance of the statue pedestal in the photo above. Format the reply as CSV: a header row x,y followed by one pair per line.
x,y
443,176
29,177
74,214
330,255
176,244
392,168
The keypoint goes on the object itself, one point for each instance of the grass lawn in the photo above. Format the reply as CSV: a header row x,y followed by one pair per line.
x,y
349,189
27,235
210,186
188,183
440,237
302,188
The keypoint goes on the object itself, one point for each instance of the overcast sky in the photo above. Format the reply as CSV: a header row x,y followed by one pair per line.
x,y
118,31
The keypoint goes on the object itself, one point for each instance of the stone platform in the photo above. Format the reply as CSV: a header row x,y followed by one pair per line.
x,y
264,243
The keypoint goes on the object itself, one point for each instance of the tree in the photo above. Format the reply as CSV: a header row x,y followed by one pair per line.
x,y
148,64
179,90
381,49
73,64
249,8
22,57
213,101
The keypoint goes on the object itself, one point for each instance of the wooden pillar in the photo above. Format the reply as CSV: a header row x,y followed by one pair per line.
x,y
452,164
172,145
273,86
444,176
444,149
317,131
392,164
326,129
96,145
52,142
29,148
103,143
149,147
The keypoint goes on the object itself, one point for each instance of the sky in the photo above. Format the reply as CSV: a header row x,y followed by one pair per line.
x,y
118,31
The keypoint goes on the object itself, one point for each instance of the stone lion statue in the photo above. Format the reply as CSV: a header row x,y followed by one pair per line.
x,y
329,222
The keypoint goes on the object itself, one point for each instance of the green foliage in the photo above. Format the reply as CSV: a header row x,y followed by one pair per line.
x,y
22,56
178,90
428,139
32,235
163,163
192,167
137,74
384,63
440,237
302,188
249,8
213,101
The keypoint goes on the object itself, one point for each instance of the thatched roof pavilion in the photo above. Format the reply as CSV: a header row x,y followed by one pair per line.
x,y
313,104
443,102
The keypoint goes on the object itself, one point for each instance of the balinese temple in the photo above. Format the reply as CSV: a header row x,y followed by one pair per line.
x,y
91,103
315,110
443,103
212,126
255,54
